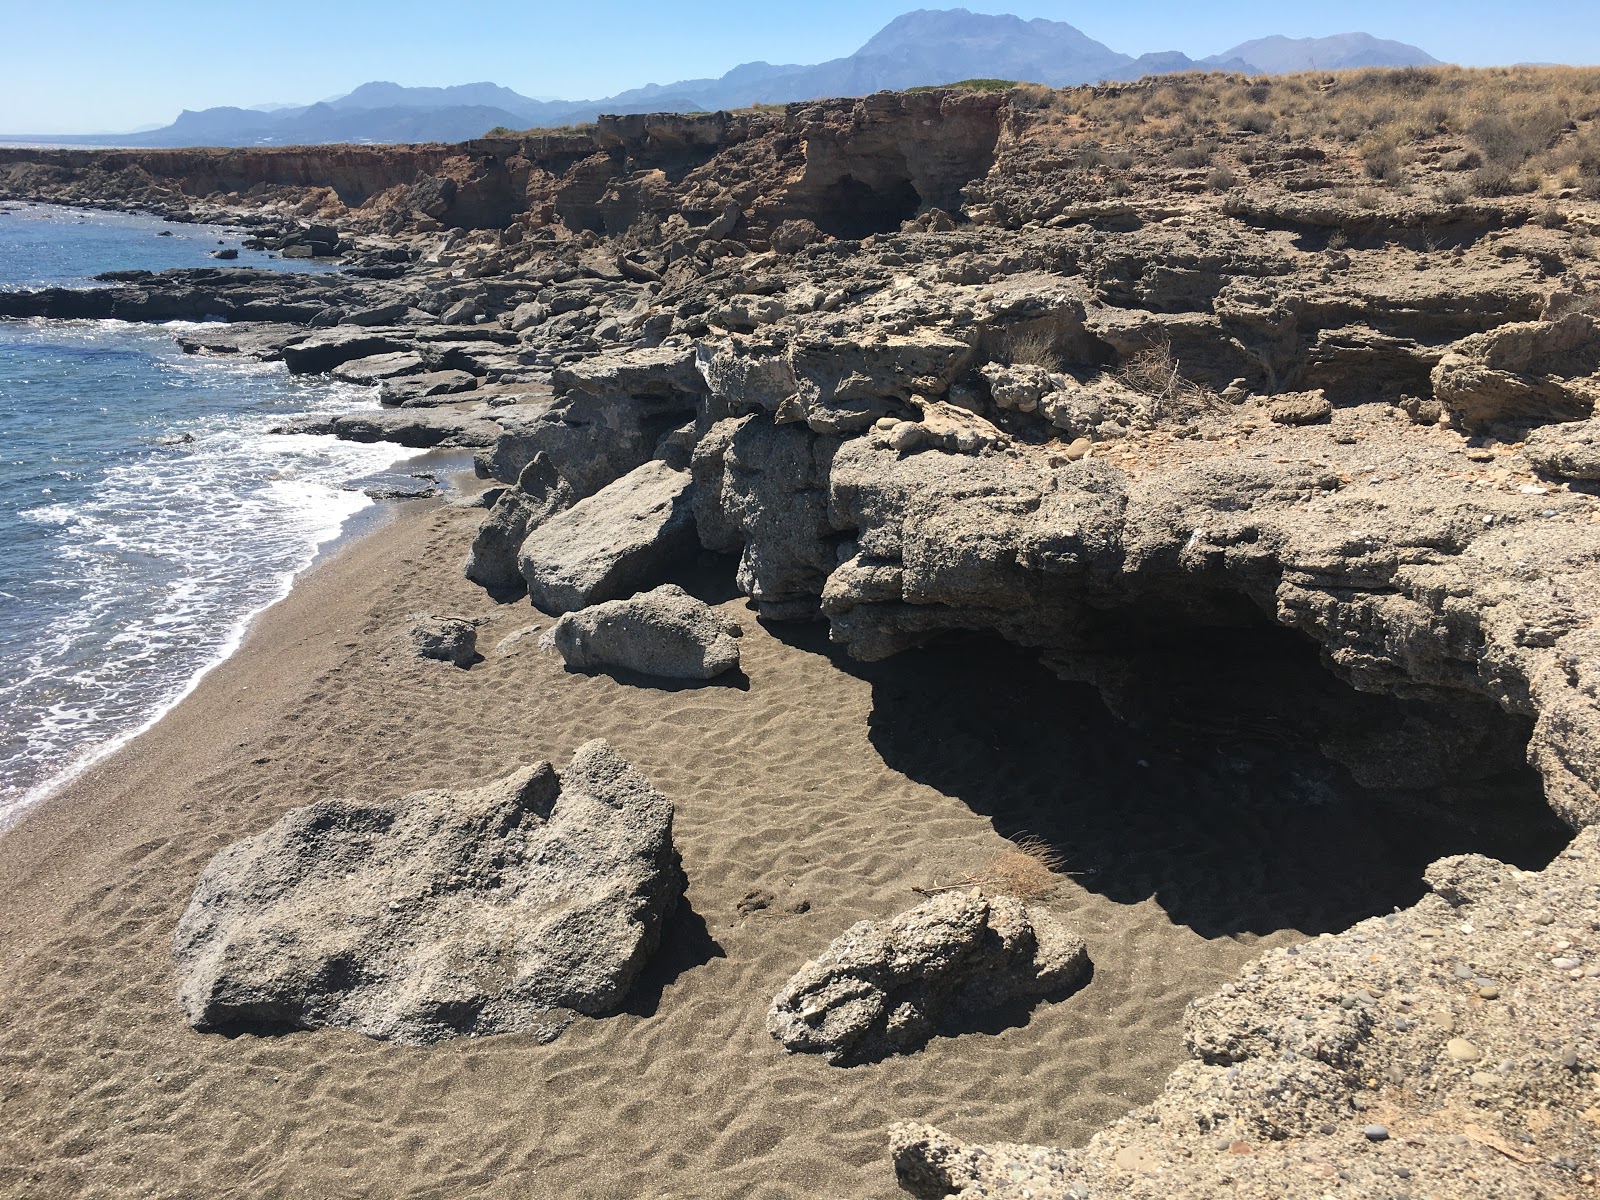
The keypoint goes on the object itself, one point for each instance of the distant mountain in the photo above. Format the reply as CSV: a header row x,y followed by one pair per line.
x,y
924,47
1343,51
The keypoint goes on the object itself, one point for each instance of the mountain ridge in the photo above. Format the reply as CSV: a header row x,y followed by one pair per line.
x,y
922,47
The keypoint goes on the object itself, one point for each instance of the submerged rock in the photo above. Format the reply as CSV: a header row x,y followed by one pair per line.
x,y
502,909
664,632
885,987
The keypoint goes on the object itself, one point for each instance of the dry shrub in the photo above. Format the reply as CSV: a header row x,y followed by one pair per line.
x,y
1157,376
1033,348
1221,179
1197,155
1029,869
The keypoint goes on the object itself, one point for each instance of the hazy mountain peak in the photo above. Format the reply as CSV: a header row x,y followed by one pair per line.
x,y
926,46
1278,55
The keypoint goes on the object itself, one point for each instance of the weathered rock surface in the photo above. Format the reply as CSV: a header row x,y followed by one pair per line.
x,y
886,987
503,909
408,390
613,543
664,632
539,493
1449,1050
448,639
1532,371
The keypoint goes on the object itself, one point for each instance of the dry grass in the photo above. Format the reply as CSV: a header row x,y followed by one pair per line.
x,y
1519,128
1033,348
1029,869
1156,375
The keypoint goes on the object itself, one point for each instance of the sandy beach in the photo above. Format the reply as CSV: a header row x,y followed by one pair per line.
x,y
815,792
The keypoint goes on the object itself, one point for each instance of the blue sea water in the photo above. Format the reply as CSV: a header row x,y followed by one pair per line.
x,y
146,514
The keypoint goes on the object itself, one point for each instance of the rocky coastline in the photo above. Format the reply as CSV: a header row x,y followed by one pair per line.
x,y
930,364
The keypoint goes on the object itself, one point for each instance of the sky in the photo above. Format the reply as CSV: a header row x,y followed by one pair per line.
x,y
94,66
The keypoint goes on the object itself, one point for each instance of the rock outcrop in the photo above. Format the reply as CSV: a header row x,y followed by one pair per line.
x,y
504,909
664,632
886,987
1387,1058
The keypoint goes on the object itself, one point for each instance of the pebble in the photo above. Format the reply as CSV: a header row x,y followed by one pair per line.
x,y
1327,1129
1566,964
1462,1050
1489,992
1376,1133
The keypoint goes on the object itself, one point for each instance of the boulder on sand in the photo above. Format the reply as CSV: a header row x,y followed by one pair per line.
x,y
886,987
613,542
448,639
502,909
664,632
539,493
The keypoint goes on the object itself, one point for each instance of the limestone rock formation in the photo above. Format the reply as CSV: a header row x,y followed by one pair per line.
x,y
1529,371
540,492
611,543
448,639
503,909
1365,1057
664,632
886,987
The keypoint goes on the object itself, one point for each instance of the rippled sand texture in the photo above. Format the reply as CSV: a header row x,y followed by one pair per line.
x,y
840,787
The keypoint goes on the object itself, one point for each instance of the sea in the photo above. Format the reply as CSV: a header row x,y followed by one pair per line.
x,y
146,513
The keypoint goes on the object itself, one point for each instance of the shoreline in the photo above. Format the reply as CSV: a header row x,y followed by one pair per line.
x,y
447,467
365,522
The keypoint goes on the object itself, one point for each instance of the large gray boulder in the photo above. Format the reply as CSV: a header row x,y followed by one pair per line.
x,y
506,908
540,492
664,632
886,987
612,543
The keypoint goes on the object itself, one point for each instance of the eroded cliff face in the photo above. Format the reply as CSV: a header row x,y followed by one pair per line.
x,y
854,168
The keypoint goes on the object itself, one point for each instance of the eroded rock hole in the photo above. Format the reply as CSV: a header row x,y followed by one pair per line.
x,y
1225,774
853,209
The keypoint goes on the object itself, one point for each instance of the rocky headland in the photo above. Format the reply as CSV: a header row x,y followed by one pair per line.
x,y
1091,372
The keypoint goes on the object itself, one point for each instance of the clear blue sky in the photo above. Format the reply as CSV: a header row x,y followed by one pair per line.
x,y
82,66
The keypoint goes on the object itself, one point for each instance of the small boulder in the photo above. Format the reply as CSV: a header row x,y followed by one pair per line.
x,y
664,632
462,312
448,639
1299,408
885,987
227,255
539,493
1533,371
508,908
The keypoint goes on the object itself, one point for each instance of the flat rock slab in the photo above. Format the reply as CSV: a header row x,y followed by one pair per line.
x,y
406,391
612,543
886,987
377,367
502,909
664,632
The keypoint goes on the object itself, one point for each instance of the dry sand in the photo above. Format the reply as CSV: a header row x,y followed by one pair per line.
x,y
837,789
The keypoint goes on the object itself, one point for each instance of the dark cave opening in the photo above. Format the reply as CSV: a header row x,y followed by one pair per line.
x,y
851,210
1227,774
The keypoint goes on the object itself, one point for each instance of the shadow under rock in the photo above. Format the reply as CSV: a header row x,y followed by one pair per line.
x,y
1233,821
686,943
